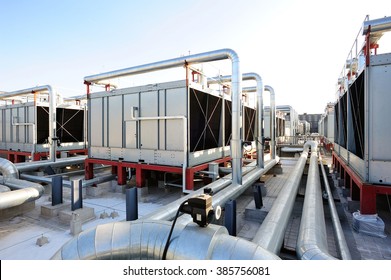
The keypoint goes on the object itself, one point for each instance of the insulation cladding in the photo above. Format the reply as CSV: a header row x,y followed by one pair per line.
x,y
144,124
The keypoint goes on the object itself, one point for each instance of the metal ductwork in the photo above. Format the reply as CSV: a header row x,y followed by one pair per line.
x,y
312,239
145,240
270,234
25,191
236,150
52,112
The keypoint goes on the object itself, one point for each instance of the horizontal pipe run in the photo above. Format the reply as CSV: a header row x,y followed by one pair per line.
x,y
270,234
338,231
167,212
312,238
34,165
67,183
232,191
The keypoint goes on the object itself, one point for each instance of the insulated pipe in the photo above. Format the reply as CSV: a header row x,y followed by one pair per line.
x,y
270,234
52,112
167,212
338,232
377,25
145,240
236,151
26,191
272,120
30,166
312,240
230,192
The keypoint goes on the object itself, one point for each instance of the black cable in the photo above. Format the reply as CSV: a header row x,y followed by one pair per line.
x,y
171,230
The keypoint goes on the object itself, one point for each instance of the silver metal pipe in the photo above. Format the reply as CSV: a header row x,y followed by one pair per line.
x,y
377,25
338,231
270,234
233,192
67,183
34,165
312,240
259,114
145,240
272,120
236,151
52,111
26,191
167,212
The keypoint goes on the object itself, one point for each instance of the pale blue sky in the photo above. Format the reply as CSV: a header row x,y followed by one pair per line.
x,y
297,46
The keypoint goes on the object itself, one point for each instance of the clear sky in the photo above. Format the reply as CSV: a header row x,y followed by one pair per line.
x,y
297,46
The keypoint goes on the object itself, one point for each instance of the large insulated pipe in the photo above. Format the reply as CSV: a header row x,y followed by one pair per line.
x,y
146,240
270,234
52,112
26,191
312,239
338,231
236,150
259,108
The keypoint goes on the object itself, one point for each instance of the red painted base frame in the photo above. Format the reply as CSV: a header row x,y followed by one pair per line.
x,y
119,168
359,190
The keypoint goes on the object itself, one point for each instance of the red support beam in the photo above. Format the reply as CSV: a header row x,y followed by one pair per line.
x,y
363,191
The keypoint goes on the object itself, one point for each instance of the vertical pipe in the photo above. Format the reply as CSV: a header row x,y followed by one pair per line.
x,y
272,121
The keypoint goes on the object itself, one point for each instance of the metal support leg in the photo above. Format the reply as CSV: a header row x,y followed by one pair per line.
x,y
89,170
230,217
367,199
56,190
131,204
139,177
76,195
257,192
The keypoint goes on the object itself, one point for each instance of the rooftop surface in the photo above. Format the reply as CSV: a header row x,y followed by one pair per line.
x,y
20,235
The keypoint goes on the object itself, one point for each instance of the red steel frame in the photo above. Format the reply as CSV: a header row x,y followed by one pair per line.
x,y
359,190
119,168
18,156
